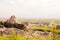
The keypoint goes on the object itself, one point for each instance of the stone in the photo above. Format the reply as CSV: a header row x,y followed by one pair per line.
x,y
13,20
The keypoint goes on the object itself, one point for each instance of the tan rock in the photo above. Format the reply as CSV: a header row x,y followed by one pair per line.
x,y
13,20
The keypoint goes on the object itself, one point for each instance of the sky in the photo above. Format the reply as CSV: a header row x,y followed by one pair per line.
x,y
30,9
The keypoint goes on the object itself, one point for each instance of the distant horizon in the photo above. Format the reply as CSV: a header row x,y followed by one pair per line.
x,y
31,18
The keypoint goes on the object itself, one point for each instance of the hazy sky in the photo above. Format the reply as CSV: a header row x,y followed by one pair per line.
x,y
30,8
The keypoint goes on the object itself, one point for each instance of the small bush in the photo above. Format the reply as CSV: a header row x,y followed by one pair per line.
x,y
9,25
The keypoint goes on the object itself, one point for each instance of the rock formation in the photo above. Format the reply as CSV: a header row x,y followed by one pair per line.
x,y
13,20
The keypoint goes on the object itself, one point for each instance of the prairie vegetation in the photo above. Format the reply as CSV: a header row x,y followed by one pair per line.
x,y
30,30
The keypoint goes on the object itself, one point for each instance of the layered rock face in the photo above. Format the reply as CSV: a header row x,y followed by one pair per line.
x,y
13,20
